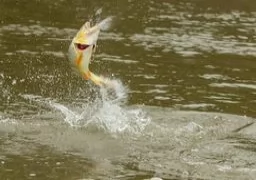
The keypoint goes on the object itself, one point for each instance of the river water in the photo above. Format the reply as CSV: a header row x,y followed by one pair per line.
x,y
184,106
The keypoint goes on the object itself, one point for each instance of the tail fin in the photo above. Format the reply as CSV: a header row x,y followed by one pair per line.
x,y
94,78
99,80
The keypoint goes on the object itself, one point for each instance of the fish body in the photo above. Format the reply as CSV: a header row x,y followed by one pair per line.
x,y
82,48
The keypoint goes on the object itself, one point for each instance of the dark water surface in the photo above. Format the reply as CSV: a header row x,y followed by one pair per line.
x,y
174,56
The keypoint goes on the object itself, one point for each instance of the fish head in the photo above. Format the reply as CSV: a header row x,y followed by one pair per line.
x,y
82,47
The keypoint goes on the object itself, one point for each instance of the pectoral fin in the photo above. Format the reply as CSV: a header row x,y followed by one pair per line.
x,y
93,52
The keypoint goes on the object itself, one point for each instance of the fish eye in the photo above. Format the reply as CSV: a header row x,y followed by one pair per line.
x,y
82,46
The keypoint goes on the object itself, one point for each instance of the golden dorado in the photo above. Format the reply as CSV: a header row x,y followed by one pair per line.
x,y
82,48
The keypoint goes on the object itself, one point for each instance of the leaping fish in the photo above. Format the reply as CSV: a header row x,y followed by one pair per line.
x,y
82,49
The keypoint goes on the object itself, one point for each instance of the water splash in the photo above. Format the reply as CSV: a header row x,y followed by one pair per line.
x,y
113,116
107,112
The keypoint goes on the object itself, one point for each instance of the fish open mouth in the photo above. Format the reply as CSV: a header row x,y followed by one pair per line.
x,y
82,47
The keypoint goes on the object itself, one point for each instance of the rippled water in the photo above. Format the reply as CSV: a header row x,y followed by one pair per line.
x,y
184,103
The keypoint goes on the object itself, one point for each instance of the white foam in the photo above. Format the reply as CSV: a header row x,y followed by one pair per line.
x,y
5,120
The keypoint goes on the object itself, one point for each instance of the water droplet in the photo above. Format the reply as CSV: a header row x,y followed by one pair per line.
x,y
32,174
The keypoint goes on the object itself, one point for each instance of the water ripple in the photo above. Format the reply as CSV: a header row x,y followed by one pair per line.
x,y
234,85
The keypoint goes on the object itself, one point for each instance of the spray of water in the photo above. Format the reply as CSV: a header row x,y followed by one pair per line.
x,y
108,112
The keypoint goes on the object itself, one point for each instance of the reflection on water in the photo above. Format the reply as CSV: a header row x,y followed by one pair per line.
x,y
182,55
